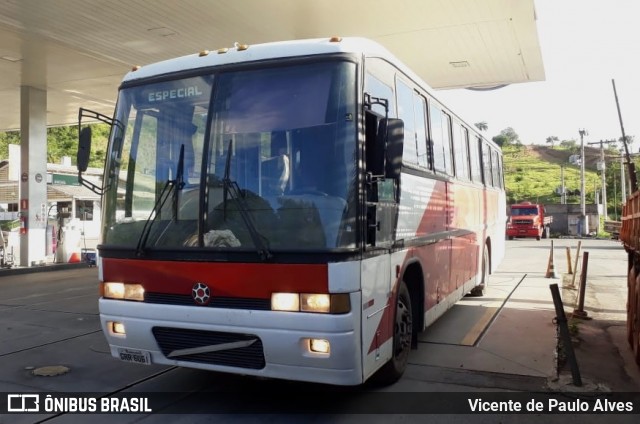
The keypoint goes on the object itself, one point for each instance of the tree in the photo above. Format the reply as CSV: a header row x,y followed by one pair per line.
x,y
6,138
63,141
507,137
501,140
511,135
482,126
629,138
552,139
570,145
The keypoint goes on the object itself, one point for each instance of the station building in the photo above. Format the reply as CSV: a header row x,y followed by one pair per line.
x,y
71,212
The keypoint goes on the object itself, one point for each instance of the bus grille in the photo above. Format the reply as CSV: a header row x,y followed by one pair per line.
x,y
216,302
172,339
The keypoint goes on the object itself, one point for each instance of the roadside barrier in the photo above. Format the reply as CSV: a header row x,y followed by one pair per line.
x,y
575,266
579,311
551,270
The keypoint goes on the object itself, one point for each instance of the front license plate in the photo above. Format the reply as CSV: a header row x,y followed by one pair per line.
x,y
136,356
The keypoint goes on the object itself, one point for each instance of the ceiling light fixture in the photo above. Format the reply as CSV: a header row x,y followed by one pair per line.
x,y
162,31
11,58
460,64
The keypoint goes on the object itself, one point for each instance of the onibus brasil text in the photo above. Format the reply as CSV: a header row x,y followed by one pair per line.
x,y
77,404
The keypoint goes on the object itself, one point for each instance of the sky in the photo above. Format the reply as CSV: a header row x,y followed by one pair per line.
x,y
585,44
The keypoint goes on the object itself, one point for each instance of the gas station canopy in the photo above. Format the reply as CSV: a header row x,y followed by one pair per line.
x,y
78,50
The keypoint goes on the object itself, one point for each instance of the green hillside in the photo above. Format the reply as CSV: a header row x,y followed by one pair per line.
x,y
533,173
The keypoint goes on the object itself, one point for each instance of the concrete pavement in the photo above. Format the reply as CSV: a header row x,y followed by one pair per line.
x,y
18,270
507,339
511,330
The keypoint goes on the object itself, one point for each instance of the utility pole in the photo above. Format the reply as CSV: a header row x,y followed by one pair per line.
x,y
623,182
623,178
603,169
633,181
563,194
615,199
584,221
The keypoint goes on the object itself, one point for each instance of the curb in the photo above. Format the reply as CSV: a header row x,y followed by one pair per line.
x,y
42,268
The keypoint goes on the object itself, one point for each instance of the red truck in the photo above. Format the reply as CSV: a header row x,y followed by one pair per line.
x,y
630,237
528,220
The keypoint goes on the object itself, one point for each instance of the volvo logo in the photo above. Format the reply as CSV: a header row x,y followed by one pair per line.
x,y
201,293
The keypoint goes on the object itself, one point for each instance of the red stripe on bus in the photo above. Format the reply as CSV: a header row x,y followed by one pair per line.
x,y
225,279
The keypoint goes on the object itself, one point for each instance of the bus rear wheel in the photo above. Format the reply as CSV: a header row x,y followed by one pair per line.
x,y
402,334
479,289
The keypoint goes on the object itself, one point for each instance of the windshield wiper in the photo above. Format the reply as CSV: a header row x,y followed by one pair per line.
x,y
231,187
170,185
179,183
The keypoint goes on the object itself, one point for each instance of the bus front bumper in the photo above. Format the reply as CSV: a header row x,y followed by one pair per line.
x,y
262,343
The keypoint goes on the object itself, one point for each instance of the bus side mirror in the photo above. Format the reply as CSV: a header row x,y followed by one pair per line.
x,y
84,149
394,144
374,144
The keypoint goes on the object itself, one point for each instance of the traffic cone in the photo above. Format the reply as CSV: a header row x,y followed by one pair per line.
x,y
74,257
551,270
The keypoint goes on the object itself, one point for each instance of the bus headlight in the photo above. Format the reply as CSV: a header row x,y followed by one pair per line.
x,y
315,303
311,302
285,302
123,291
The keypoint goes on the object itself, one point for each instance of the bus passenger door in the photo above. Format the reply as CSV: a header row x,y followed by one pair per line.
x,y
377,313
384,138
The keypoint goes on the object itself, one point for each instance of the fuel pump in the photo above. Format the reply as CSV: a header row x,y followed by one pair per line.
x,y
23,223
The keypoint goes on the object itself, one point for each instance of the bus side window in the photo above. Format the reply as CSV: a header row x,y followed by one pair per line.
x,y
446,143
495,168
441,136
486,165
376,88
422,146
464,154
406,113
435,115
474,156
460,148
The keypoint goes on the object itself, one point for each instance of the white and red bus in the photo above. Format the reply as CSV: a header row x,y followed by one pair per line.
x,y
297,210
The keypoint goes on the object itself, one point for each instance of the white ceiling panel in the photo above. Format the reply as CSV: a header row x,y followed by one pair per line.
x,y
78,50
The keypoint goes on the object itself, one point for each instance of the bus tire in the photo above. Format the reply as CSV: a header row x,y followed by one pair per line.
x,y
478,290
402,335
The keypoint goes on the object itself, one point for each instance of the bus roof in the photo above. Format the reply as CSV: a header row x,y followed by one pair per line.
x,y
242,53
248,53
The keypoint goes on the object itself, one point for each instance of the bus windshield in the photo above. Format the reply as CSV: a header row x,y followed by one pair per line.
x,y
241,160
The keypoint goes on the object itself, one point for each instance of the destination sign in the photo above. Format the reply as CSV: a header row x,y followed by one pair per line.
x,y
197,89
179,93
